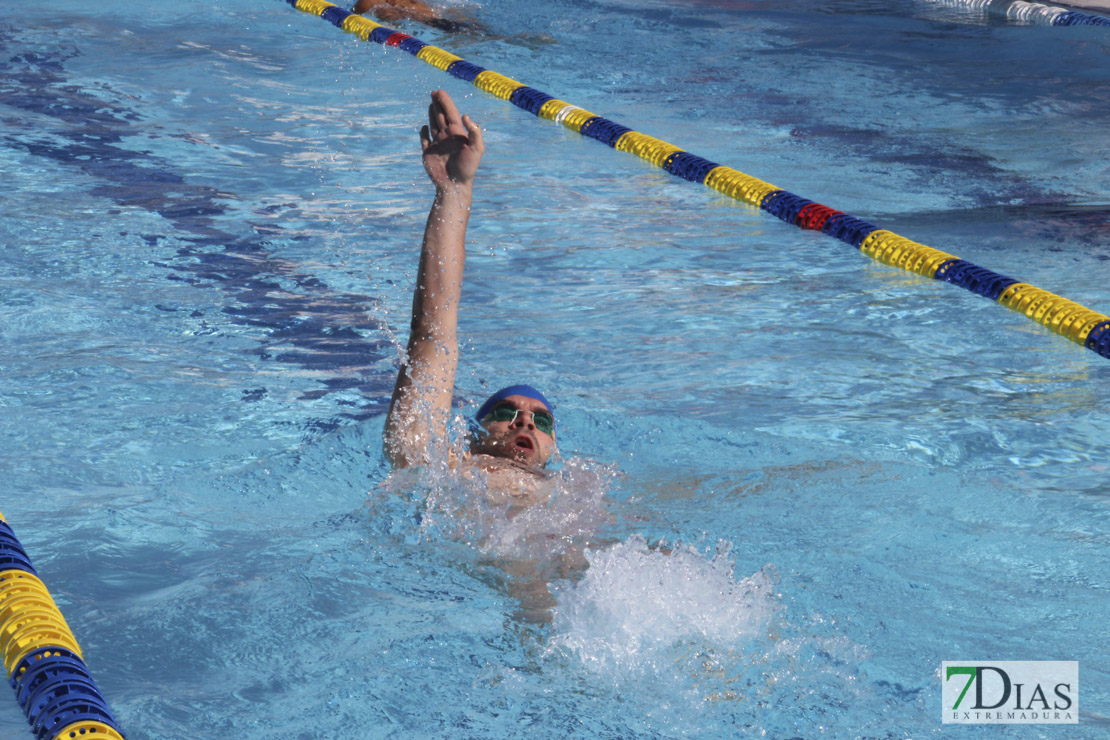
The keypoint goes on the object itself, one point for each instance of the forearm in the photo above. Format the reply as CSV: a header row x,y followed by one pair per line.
x,y
435,300
422,396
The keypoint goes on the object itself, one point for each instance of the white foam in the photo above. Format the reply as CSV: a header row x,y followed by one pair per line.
x,y
636,603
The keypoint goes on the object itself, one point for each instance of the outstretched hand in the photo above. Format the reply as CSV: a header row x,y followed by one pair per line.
x,y
452,144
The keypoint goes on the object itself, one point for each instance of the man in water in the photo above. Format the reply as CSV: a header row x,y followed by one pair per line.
x,y
516,433
391,11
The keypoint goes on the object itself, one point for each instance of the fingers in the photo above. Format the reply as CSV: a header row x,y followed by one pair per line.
x,y
450,112
437,122
475,133
448,120
445,122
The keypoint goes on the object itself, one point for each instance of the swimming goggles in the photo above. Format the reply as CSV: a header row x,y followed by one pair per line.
x,y
544,421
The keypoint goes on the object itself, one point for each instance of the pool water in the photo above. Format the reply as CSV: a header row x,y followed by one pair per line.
x,y
210,216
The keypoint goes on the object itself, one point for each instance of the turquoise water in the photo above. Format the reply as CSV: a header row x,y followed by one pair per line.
x,y
210,217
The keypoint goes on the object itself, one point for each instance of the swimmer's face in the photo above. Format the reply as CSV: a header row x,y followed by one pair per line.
x,y
518,439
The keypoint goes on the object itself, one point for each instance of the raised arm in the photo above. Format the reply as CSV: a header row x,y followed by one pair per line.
x,y
418,412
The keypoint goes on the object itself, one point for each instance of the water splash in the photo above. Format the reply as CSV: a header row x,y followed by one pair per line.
x,y
536,517
573,513
674,635
638,605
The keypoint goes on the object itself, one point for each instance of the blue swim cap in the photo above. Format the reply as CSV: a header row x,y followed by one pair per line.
x,y
513,390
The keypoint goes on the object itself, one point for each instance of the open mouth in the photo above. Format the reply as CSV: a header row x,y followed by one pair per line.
x,y
523,442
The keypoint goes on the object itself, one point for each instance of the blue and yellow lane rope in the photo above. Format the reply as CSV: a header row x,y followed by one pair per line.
x,y
1067,318
44,662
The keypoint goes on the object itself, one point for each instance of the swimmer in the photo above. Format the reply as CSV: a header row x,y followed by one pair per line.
x,y
391,11
513,432
515,428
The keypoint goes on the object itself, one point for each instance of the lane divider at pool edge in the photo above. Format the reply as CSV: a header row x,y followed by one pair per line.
x,y
1028,12
44,662
1067,318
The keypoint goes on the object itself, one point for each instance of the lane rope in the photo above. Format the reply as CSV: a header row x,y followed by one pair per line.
x,y
1060,315
1029,12
44,662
